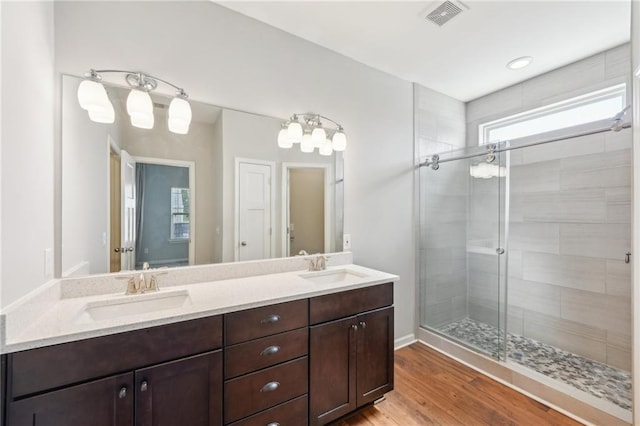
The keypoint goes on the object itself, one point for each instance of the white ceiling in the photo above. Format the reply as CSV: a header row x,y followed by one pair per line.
x,y
466,57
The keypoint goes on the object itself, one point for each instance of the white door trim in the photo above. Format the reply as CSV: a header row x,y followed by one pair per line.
x,y
191,165
236,203
328,203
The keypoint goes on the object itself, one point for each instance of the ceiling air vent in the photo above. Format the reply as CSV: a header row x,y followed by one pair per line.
x,y
446,11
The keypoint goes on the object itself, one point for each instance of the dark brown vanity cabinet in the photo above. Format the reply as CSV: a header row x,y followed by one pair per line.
x,y
308,361
169,375
350,350
266,365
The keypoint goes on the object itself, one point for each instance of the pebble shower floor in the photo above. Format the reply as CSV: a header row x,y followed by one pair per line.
x,y
595,378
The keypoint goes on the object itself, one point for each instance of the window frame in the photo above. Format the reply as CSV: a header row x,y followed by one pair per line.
x,y
611,92
173,214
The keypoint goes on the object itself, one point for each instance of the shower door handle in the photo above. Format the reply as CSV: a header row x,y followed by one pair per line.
x,y
499,251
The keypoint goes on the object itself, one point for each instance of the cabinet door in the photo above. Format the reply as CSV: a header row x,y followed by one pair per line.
x,y
106,402
332,370
183,392
375,355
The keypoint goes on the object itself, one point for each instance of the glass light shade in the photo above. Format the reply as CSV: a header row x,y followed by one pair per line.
x,y
318,136
283,139
339,141
294,130
140,109
487,171
92,96
106,116
142,121
180,127
307,143
179,116
325,148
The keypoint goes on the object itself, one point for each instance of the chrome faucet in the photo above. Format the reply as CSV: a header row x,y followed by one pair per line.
x,y
319,264
141,286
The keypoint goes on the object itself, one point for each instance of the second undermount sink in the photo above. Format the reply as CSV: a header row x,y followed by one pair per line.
x,y
334,276
134,305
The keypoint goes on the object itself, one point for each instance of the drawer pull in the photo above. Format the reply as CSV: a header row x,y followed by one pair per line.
x,y
274,424
144,386
271,319
270,387
123,392
271,350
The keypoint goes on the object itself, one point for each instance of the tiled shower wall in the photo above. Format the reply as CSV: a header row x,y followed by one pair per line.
x,y
440,127
570,216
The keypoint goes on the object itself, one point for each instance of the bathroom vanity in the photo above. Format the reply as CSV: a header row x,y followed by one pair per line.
x,y
307,360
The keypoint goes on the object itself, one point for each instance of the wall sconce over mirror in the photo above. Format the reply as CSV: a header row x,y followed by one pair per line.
x,y
309,131
93,98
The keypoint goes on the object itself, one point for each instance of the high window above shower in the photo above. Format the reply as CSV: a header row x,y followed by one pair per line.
x,y
594,106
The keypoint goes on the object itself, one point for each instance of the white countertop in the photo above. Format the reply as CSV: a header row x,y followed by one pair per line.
x,y
63,321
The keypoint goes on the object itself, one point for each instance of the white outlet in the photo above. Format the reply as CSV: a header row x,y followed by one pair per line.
x,y
48,263
346,242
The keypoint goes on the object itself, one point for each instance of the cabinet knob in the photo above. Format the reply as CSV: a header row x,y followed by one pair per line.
x,y
271,319
123,392
354,327
363,324
270,387
271,350
144,386
274,424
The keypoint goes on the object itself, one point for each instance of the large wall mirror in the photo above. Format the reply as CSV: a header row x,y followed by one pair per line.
x,y
223,192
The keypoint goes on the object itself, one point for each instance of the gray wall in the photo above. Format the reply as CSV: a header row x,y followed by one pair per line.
x,y
157,249
227,59
570,221
440,127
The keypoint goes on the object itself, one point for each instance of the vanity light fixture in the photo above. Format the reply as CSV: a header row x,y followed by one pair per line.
x,y
93,98
308,131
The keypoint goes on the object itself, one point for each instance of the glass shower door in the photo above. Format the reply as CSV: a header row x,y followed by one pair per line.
x,y
462,250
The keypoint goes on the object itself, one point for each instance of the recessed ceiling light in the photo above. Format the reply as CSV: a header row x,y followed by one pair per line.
x,y
518,63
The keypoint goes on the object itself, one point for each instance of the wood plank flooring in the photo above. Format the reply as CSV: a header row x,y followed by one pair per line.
x,y
431,389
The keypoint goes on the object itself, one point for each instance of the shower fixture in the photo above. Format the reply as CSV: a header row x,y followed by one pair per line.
x,y
93,98
308,131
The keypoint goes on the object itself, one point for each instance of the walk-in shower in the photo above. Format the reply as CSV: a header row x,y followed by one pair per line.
x,y
524,254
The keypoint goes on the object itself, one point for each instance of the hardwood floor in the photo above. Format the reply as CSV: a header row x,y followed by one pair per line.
x,y
431,389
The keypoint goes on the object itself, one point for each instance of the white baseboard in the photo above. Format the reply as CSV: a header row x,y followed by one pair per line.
x,y
403,341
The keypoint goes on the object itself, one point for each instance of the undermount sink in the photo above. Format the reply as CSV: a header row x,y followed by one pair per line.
x,y
133,305
334,276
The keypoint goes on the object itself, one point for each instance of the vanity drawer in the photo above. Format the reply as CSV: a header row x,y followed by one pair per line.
x,y
260,353
346,303
50,367
254,392
292,413
259,322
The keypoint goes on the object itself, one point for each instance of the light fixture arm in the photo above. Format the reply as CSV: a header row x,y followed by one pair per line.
x,y
138,80
313,117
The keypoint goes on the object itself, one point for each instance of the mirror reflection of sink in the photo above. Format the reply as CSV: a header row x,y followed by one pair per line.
x,y
334,276
133,305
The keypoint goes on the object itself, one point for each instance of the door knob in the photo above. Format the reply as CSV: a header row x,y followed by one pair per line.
x,y
243,244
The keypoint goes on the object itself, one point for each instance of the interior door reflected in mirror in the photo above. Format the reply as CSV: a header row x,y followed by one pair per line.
x,y
132,196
